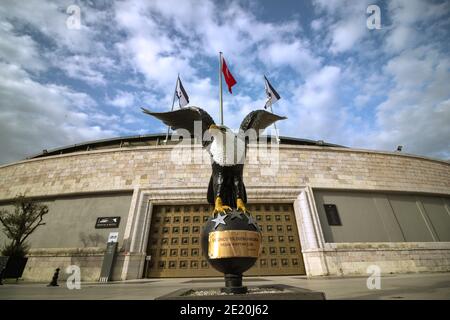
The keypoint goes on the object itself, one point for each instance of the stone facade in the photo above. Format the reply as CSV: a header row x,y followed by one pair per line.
x,y
291,177
150,167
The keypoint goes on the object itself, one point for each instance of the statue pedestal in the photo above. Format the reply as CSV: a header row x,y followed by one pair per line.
x,y
233,284
231,243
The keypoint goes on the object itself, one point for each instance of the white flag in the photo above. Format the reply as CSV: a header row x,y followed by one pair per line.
x,y
183,98
272,95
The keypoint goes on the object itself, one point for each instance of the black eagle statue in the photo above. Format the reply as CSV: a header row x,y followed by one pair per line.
x,y
227,150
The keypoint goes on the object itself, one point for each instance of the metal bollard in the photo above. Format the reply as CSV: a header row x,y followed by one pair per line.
x,y
54,282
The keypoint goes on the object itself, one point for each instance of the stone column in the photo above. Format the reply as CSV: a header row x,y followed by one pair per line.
x,y
310,232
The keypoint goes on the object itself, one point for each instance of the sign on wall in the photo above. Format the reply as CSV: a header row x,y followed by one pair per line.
x,y
113,237
107,222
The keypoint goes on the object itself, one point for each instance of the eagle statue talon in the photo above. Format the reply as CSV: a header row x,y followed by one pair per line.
x,y
219,207
240,205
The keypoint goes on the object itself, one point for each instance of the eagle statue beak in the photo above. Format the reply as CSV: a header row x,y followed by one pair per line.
x,y
216,127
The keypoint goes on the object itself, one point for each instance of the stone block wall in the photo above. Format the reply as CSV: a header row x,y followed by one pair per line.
x,y
152,167
354,258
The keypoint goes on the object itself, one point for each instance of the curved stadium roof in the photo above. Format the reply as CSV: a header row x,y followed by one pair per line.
x,y
151,140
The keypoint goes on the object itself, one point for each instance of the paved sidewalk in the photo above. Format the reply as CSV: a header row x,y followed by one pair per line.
x,y
399,287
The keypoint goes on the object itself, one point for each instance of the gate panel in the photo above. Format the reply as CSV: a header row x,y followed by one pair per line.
x,y
175,250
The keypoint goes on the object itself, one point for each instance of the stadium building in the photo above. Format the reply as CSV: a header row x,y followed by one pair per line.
x,y
324,209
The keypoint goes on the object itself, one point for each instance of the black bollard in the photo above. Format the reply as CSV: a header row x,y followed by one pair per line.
x,y
233,284
54,282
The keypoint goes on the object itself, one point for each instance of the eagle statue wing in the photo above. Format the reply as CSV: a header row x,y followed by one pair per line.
x,y
259,120
184,119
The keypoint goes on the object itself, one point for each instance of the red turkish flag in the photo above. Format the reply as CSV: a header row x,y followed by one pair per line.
x,y
227,75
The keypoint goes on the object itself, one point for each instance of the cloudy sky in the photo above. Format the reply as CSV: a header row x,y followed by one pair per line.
x,y
339,80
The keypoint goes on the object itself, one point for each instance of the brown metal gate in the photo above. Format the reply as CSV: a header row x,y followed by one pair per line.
x,y
174,242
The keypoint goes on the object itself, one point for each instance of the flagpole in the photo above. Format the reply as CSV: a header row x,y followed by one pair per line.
x,y
173,103
220,88
274,124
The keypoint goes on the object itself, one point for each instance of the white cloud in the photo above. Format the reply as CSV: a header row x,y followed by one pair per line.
x,y
19,49
28,125
416,112
315,110
91,70
294,54
406,16
329,79
122,100
346,23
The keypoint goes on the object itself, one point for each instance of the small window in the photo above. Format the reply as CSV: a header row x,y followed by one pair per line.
x,y
194,264
173,252
186,219
175,229
185,240
174,241
185,229
176,219
287,217
196,219
332,215
184,252
277,218
258,217
195,229
194,240
280,239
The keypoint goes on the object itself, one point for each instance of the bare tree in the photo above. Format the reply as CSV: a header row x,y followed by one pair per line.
x,y
19,224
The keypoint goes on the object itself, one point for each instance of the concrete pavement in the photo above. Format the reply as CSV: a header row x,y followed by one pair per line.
x,y
398,287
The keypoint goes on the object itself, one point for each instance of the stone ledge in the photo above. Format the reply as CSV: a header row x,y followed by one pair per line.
x,y
380,246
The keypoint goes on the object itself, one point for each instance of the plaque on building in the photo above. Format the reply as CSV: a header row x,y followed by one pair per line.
x,y
107,222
